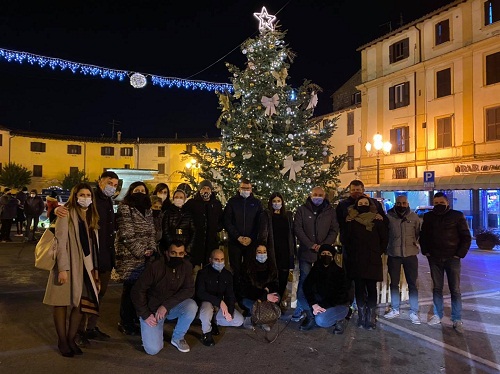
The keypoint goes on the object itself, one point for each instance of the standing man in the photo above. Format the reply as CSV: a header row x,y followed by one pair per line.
x,y
215,294
164,291
445,239
206,211
404,231
21,217
315,224
241,220
33,207
8,208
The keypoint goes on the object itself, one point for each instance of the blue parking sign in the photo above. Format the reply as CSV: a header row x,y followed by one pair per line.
x,y
429,179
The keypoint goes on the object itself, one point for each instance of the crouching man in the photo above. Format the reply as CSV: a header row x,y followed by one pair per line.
x,y
164,291
215,294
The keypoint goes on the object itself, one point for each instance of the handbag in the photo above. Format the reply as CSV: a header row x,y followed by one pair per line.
x,y
265,313
46,250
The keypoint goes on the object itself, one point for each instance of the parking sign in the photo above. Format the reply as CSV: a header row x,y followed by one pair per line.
x,y
429,179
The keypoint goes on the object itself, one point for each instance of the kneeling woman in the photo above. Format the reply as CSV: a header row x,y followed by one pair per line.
x,y
73,282
259,283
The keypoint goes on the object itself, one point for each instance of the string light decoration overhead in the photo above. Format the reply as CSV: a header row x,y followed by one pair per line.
x,y
137,80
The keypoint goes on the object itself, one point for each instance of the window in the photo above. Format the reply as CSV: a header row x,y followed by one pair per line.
x,y
356,98
400,139
126,151
126,166
491,12
493,68
1,140
493,123
189,148
442,32
73,170
74,149
399,95
443,132
107,151
37,147
399,51
37,170
443,83
350,123
161,168
161,151
350,157
400,173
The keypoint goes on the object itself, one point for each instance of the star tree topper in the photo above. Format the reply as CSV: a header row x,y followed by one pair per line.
x,y
265,20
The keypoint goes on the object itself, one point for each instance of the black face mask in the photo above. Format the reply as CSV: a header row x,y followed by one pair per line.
x,y
174,262
439,209
139,198
156,213
326,260
400,209
363,209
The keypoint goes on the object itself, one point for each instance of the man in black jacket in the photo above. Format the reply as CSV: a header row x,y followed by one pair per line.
x,y
445,239
164,291
206,211
241,221
215,294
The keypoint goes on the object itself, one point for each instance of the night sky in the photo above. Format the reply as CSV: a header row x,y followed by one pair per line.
x,y
175,39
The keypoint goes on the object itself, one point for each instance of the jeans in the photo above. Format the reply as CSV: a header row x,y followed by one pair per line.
x,y
206,314
248,305
331,316
410,267
29,220
304,269
152,337
451,266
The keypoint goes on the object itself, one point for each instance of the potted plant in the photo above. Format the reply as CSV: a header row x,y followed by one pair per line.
x,y
487,239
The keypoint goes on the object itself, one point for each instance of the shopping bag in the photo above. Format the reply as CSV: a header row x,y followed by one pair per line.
x,y
46,250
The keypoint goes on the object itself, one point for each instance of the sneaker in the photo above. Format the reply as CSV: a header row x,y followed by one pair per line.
x,y
458,326
298,315
435,320
18,235
248,323
265,327
181,345
393,313
414,318
129,329
339,327
96,334
81,339
308,323
207,340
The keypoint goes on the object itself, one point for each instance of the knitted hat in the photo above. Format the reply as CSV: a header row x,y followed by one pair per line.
x,y
327,248
184,187
205,183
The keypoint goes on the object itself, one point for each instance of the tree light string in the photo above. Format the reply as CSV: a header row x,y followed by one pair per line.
x,y
107,73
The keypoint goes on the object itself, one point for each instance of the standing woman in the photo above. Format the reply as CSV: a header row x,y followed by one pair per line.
x,y
163,192
74,280
276,234
135,242
367,238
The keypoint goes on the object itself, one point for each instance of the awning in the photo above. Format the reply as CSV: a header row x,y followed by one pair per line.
x,y
453,182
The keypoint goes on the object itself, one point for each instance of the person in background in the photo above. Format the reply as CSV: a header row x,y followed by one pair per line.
x,y
156,205
52,204
163,192
206,211
135,244
33,207
276,234
8,205
21,218
445,239
74,281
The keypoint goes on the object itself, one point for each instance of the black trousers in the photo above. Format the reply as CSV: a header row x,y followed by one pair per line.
x,y
128,315
5,229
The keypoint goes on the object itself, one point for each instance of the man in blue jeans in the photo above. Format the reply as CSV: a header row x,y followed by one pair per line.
x,y
164,291
445,239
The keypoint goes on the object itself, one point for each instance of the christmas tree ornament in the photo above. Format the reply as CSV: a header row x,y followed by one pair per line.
x,y
280,77
308,180
216,174
270,103
246,155
138,80
291,166
233,155
265,20
313,101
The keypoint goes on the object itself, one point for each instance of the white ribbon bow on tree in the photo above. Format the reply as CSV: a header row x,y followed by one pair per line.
x,y
270,103
280,77
292,166
216,174
313,102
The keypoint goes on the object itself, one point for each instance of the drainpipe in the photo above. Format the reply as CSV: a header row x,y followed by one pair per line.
x,y
415,95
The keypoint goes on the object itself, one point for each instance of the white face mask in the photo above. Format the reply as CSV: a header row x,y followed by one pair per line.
x,y
109,190
245,194
84,202
277,206
163,196
32,195
178,202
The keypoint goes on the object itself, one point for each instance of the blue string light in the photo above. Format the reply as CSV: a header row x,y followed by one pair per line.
x,y
105,73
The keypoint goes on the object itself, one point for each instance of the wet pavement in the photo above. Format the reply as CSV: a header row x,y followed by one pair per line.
x,y
28,342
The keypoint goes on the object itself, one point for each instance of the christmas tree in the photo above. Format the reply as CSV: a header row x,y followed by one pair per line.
x,y
268,134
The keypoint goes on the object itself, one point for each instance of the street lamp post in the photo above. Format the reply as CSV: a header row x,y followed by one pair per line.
x,y
379,147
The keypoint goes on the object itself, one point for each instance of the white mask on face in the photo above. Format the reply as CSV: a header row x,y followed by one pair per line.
x,y
32,195
178,202
84,202
163,196
245,194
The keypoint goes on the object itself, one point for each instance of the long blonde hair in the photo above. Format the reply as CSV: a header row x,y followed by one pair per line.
x,y
73,204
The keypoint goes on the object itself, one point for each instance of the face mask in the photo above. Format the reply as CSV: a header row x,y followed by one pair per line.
x,y
179,203
163,196
25,192
245,194
439,209
277,206
84,202
317,200
363,209
261,257
205,195
156,213
400,209
218,266
109,190
174,262
32,195
326,260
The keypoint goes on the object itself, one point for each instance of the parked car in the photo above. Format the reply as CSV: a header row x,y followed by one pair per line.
x,y
422,209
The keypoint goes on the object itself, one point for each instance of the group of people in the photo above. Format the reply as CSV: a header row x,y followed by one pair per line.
x,y
166,253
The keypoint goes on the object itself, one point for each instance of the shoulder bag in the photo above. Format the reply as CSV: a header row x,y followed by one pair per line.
x,y
46,250
265,313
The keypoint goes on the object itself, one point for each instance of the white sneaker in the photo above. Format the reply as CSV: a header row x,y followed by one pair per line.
x,y
393,313
435,320
458,326
414,318
181,345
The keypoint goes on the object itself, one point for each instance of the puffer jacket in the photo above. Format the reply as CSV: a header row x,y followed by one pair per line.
x,y
403,233
241,217
8,205
178,225
445,235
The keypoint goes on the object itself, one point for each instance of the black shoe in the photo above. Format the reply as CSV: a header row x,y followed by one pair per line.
x,y
128,330
370,318
215,329
81,339
96,334
65,351
339,327
207,339
75,348
307,324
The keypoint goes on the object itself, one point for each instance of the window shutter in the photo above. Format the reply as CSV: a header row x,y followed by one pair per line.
x,y
406,49
391,98
394,141
391,53
445,31
406,131
406,94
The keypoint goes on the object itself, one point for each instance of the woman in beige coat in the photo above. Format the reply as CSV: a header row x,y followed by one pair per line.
x,y
73,282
